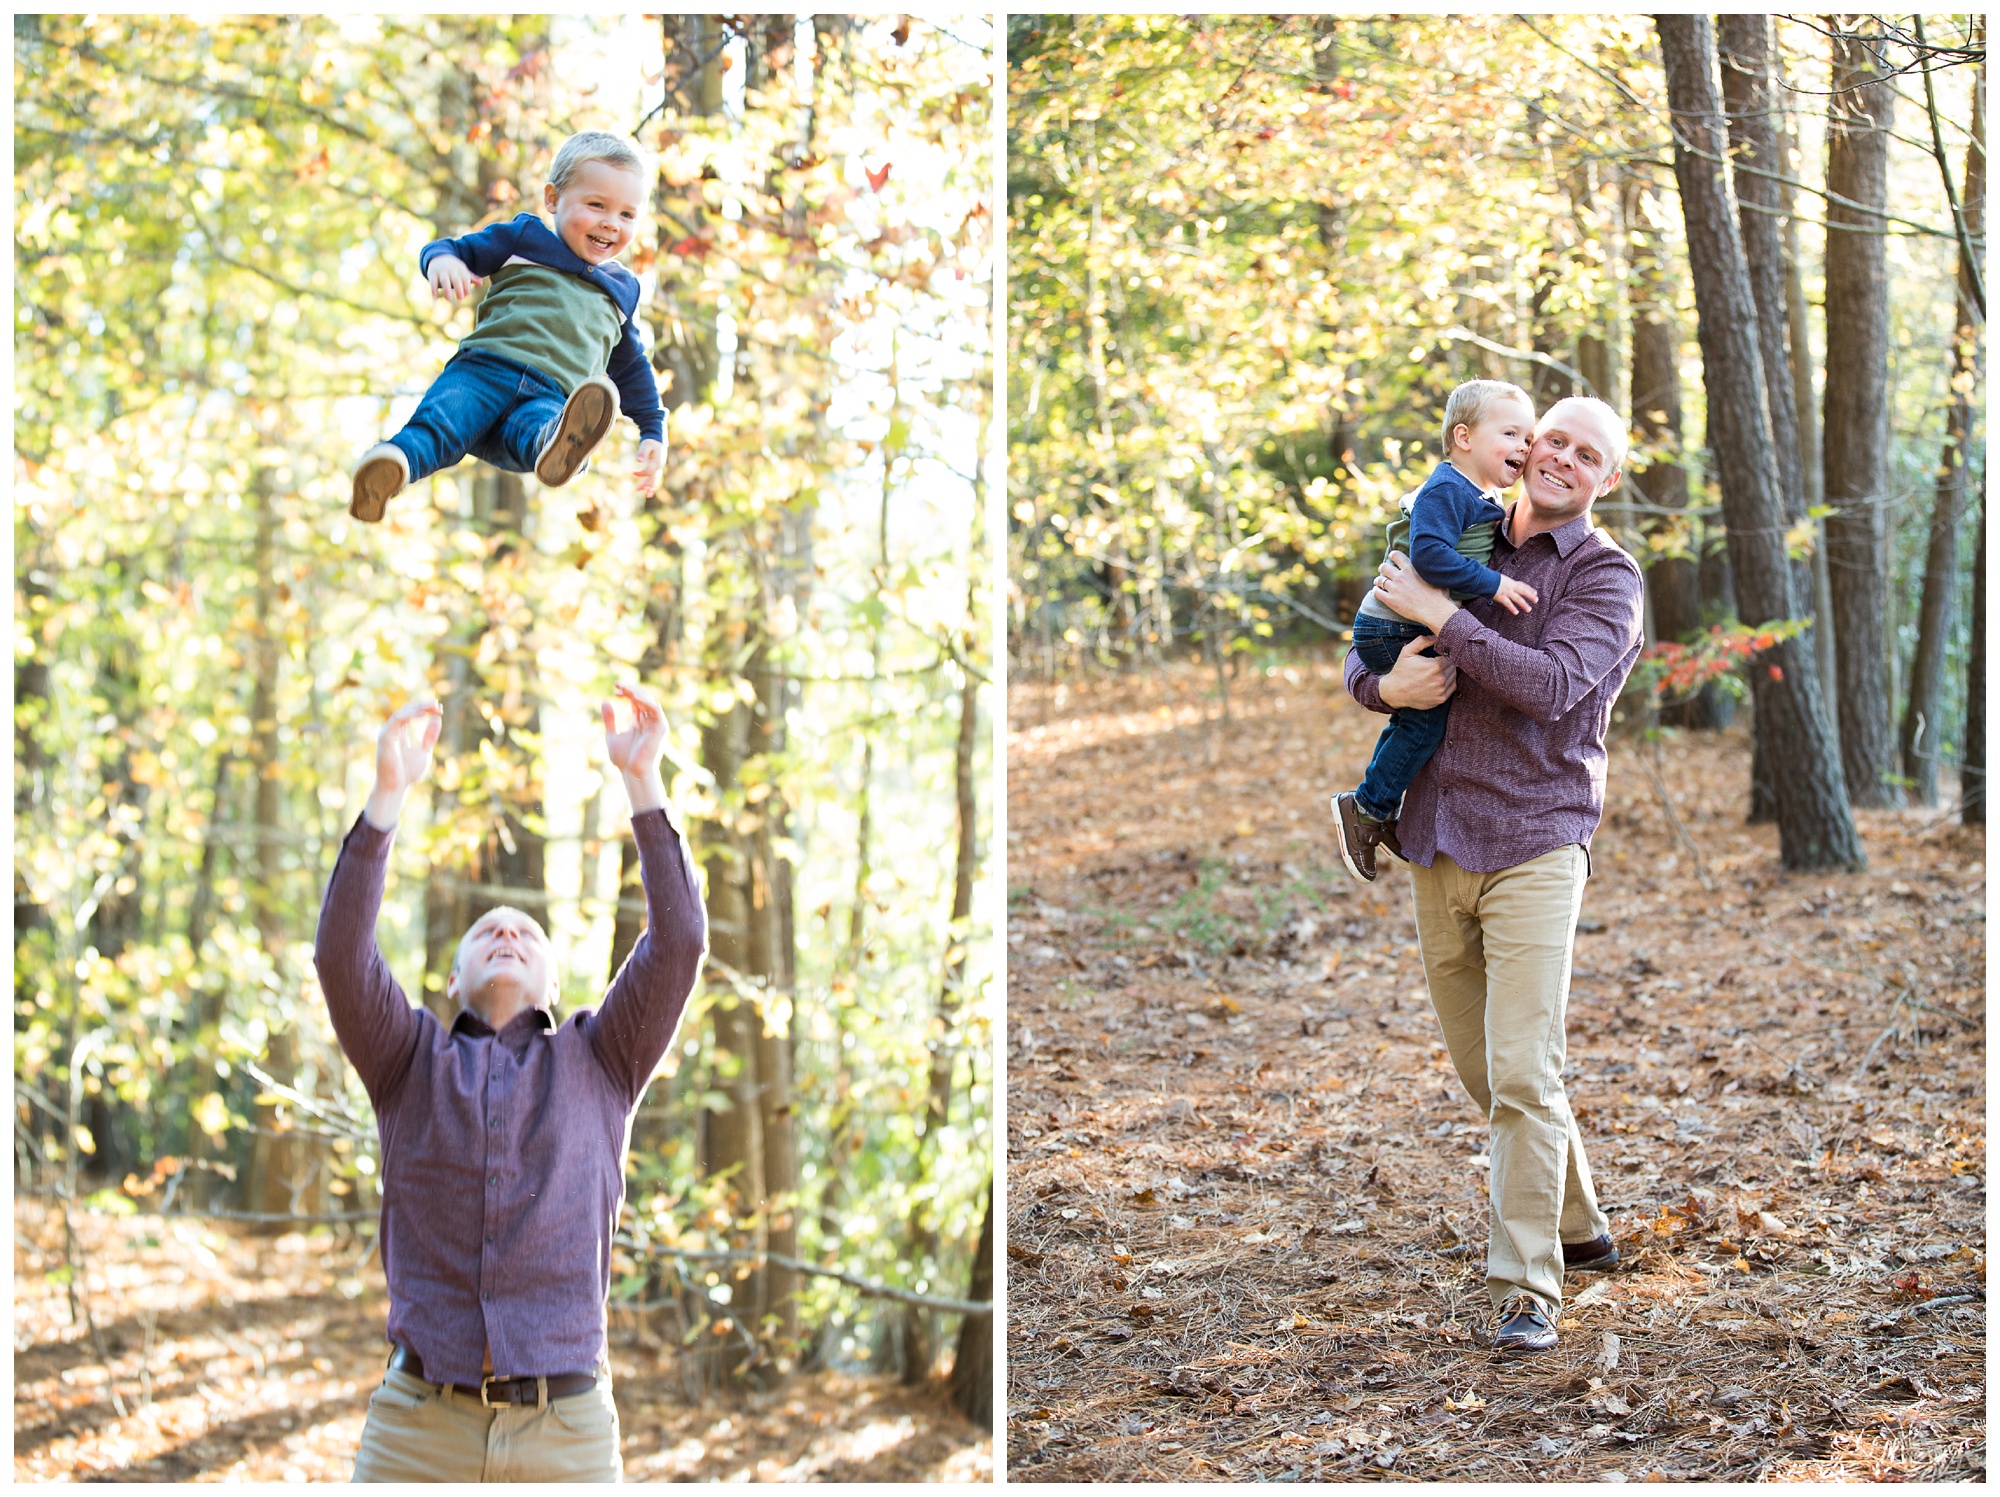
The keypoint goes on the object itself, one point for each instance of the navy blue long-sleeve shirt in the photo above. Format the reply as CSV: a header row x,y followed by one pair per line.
x,y
1446,507
526,238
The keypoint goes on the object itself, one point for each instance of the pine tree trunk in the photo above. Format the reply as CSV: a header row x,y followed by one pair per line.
x,y
1972,774
970,1386
1856,424
1815,828
1923,719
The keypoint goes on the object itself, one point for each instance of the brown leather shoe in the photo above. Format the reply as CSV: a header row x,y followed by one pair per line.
x,y
1357,837
586,417
1388,838
1524,1326
1598,1254
382,474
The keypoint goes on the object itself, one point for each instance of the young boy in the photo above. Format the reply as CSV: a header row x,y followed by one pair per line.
x,y
527,389
1452,519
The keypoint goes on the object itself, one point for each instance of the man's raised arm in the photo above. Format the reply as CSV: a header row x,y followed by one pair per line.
x,y
636,1023
377,1027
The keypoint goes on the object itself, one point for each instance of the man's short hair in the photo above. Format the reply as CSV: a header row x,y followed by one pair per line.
x,y
593,145
1621,436
1469,403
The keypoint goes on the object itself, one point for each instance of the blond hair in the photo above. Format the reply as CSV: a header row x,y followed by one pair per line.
x,y
593,145
1469,403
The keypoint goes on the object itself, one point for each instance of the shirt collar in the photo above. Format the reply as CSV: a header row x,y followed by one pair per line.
x,y
470,1023
1567,536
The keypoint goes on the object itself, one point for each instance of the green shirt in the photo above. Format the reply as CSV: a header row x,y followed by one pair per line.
x,y
553,322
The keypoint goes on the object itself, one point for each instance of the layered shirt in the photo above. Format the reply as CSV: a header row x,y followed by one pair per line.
x,y
503,1154
1521,768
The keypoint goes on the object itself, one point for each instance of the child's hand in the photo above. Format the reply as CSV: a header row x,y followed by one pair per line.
x,y
452,277
1515,596
647,474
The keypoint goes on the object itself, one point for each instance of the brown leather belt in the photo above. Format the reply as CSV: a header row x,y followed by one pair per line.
x,y
493,1390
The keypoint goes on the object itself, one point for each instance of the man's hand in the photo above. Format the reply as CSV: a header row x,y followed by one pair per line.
x,y
402,757
1398,585
1419,680
452,277
647,475
634,750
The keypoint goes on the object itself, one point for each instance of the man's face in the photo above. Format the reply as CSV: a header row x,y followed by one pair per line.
x,y
504,967
1570,464
598,212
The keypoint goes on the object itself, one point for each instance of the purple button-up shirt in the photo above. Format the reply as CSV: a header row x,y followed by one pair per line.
x,y
503,1155
1521,768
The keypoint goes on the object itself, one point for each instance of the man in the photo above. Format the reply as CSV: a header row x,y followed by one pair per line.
x,y
1497,830
503,1141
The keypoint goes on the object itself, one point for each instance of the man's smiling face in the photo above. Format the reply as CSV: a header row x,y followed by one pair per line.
x,y
504,967
1574,461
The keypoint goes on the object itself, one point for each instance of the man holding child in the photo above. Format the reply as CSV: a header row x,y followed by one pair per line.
x,y
1496,827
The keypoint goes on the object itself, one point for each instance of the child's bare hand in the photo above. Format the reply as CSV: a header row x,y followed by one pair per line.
x,y
452,277
1515,596
647,474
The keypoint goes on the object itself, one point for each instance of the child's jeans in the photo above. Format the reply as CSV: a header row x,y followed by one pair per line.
x,y
1413,734
496,410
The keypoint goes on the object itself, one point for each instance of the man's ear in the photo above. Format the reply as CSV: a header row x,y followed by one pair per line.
x,y
1610,484
451,984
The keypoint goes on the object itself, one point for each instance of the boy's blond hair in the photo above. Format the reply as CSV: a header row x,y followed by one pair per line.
x,y
593,145
1470,402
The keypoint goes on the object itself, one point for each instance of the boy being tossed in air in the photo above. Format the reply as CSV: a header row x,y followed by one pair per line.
x,y
527,389
1488,426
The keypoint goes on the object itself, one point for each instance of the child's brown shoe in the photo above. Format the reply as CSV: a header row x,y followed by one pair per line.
x,y
1357,837
382,474
1388,839
586,417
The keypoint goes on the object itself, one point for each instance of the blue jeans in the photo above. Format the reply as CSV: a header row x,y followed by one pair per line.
x,y
498,411
1413,734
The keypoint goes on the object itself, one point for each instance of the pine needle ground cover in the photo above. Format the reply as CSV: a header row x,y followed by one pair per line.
x,y
246,1359
1246,1209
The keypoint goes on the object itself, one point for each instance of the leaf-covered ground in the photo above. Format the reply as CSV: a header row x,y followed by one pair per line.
x,y
251,1359
1246,1206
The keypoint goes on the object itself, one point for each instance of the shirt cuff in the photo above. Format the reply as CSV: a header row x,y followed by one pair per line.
x,y
1459,629
368,840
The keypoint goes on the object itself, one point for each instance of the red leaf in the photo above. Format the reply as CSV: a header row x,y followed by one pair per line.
x,y
1777,673
876,179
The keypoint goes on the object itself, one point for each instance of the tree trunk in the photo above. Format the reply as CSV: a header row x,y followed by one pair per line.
x,y
1673,582
1812,469
1815,828
1747,94
1856,423
1923,720
970,1386
1972,775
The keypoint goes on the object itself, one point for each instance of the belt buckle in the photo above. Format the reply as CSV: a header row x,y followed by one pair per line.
x,y
484,1384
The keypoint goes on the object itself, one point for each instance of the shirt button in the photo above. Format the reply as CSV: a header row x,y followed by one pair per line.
x,y
486,1294
489,1236
492,1179
493,1123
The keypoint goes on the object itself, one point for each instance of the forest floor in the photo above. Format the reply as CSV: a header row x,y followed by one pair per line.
x,y
242,1358
1246,1201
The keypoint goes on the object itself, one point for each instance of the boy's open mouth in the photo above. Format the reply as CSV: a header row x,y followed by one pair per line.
x,y
1514,465
606,245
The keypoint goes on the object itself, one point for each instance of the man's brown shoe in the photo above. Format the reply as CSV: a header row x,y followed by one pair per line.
x,y
1357,837
382,474
1598,1254
586,417
1524,1326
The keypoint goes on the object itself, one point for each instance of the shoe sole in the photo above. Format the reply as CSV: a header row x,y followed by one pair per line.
x,y
585,420
376,482
1340,840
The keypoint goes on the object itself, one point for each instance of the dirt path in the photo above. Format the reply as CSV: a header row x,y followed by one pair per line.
x,y
246,1359
1247,1217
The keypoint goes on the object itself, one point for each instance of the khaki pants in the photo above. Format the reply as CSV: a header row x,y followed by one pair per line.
x,y
416,1432
1497,958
